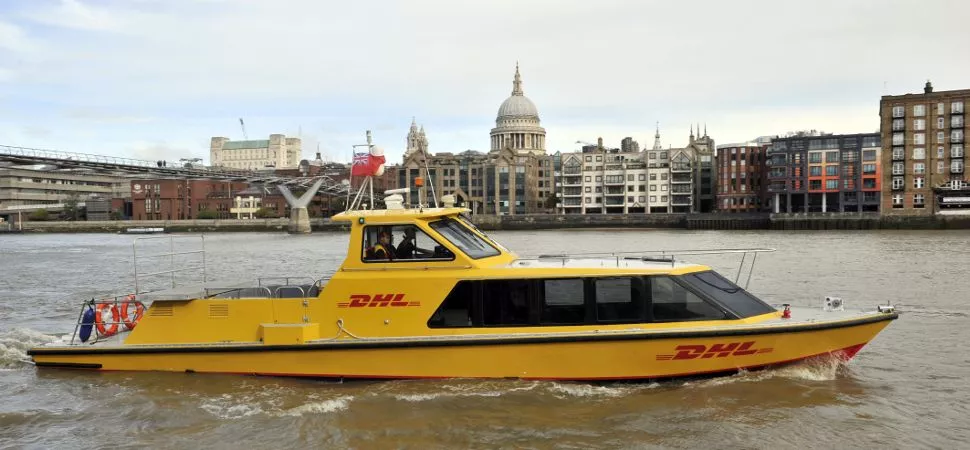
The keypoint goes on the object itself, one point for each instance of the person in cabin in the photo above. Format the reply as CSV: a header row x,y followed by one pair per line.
x,y
408,248
383,250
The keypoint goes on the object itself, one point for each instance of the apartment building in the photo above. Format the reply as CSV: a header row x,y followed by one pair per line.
x,y
824,172
923,141
742,176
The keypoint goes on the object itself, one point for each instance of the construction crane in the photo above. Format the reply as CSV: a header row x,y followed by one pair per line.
x,y
243,125
598,146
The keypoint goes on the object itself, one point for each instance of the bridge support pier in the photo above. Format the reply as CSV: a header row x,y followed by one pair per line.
x,y
299,214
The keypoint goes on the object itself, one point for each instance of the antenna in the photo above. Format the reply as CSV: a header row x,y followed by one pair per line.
x,y
243,125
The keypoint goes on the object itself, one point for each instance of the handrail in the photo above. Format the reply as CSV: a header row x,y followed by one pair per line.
x,y
672,255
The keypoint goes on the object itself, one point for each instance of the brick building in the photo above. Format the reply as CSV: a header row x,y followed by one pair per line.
x,y
923,138
179,199
742,176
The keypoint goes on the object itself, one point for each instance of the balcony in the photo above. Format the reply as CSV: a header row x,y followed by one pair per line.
x,y
680,200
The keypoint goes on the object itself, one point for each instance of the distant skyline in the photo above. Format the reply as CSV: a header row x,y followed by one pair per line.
x,y
156,79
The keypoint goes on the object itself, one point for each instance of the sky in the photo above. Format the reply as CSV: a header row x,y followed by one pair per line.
x,y
156,79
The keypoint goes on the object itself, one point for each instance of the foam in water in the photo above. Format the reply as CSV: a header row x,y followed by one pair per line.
x,y
326,406
230,408
15,343
823,368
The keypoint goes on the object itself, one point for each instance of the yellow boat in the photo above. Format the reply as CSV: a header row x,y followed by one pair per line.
x,y
448,301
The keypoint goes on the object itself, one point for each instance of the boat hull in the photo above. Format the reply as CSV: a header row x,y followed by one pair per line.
x,y
623,356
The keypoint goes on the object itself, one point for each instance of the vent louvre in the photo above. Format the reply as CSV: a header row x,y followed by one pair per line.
x,y
160,311
218,310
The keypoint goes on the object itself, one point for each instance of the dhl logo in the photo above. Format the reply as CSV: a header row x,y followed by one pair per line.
x,y
714,351
377,301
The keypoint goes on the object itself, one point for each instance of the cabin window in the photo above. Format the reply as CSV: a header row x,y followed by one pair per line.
x,y
672,302
727,294
466,241
563,302
401,243
505,302
456,310
618,300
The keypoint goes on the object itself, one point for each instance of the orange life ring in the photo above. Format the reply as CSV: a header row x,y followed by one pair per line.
x,y
139,311
110,328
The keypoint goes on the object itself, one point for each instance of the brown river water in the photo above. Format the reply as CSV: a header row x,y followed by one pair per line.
x,y
906,389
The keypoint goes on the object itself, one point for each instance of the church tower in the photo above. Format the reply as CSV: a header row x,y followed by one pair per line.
x,y
417,141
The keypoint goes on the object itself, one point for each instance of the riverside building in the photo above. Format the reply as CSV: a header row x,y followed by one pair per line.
x,y
924,142
824,172
742,176
599,180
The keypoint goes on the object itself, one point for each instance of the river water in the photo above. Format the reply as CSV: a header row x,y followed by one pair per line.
x,y
907,389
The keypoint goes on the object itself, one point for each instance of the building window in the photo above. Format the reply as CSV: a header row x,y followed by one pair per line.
x,y
589,159
956,166
588,190
899,111
642,199
663,155
899,153
940,137
919,153
939,109
919,110
814,185
831,184
589,200
653,198
663,187
956,121
815,157
663,176
868,183
918,201
919,124
897,200
956,136
939,123
899,139
599,178
956,107
939,151
588,179
663,199
898,168
919,139
653,187
956,151
868,168
919,168
897,183
940,166
815,171
918,183
899,124
831,170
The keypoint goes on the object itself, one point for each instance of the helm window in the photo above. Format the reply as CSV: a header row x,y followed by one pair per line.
x,y
401,243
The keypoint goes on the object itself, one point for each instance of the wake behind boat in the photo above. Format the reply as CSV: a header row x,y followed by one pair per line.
x,y
447,301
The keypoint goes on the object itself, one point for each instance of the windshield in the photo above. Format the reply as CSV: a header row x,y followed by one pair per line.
x,y
468,223
466,241
727,293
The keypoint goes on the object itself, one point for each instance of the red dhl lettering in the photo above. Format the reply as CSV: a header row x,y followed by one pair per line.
x,y
377,301
714,351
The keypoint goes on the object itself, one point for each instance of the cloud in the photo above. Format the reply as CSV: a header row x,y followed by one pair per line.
x,y
607,68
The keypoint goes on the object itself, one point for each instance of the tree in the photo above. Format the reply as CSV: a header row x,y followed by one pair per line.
x,y
39,215
70,206
551,201
265,213
206,214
